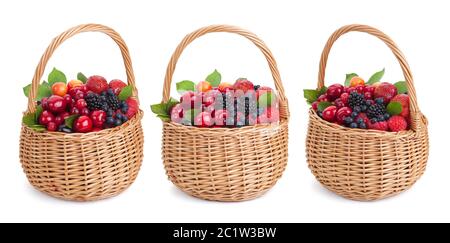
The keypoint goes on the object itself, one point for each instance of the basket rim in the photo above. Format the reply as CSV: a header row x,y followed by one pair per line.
x,y
363,132
136,119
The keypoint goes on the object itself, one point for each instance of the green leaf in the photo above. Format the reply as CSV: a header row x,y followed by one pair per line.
x,y
401,87
349,77
376,77
70,120
38,128
265,99
323,105
125,93
323,90
29,119
214,78
159,109
184,86
38,113
164,118
26,90
81,77
171,103
56,76
394,108
310,95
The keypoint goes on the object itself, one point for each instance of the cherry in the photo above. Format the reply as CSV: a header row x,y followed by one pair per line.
x,y
83,124
85,111
360,89
56,104
322,98
334,91
315,105
74,111
81,104
68,100
370,89
342,113
84,88
80,95
344,98
46,117
44,103
221,116
329,114
73,91
59,119
339,103
98,118
203,119
51,126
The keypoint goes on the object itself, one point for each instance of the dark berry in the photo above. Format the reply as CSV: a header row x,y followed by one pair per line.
x,y
353,125
355,99
360,120
387,116
124,119
117,122
376,110
364,108
374,120
256,87
110,120
67,130
354,114
357,109
109,113
379,101
348,120
362,125
369,102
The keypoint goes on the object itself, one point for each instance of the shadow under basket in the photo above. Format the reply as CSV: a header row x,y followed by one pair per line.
x,y
367,165
226,164
82,166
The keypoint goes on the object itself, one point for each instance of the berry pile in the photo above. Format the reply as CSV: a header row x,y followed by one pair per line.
x,y
82,105
373,105
213,103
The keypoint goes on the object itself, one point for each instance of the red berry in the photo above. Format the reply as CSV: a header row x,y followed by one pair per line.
x,y
133,107
221,117
52,126
346,90
203,119
73,91
329,114
68,100
322,98
98,118
334,91
84,89
315,105
44,103
97,84
96,129
351,90
243,84
83,124
381,126
397,123
387,91
46,117
56,104
59,119
342,113
117,85
364,117
176,114
80,95
344,98
403,99
369,89
85,111
368,96
360,89
74,111
210,97
339,103
81,104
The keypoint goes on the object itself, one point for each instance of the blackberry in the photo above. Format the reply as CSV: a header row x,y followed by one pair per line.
x,y
376,111
112,100
356,100
96,102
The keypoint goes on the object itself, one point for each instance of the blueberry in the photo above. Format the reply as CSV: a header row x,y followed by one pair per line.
x,y
110,120
124,109
362,125
90,95
387,116
357,109
379,101
103,94
380,118
123,103
360,120
363,108
354,114
124,119
109,113
119,116
117,122
110,92
353,125
348,120
374,120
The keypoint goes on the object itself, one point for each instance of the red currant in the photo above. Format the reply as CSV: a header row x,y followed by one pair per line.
x,y
79,95
74,111
368,95
360,89
46,117
52,126
81,104
85,111
315,105
44,103
322,98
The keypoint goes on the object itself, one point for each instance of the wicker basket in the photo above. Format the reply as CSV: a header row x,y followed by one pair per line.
x,y
367,165
225,164
82,167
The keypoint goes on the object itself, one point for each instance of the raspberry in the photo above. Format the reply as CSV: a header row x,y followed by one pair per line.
x,y
397,123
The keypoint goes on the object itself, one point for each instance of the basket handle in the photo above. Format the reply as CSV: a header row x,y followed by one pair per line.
x,y
284,109
414,108
68,34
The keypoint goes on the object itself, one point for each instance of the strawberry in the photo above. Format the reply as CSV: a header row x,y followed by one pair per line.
x,y
117,85
97,84
381,126
397,123
404,100
133,107
243,84
387,91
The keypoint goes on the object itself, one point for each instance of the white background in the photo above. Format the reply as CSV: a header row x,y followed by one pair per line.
x,y
296,32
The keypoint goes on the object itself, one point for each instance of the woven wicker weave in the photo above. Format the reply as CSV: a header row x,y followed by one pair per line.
x,y
225,164
367,164
82,167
